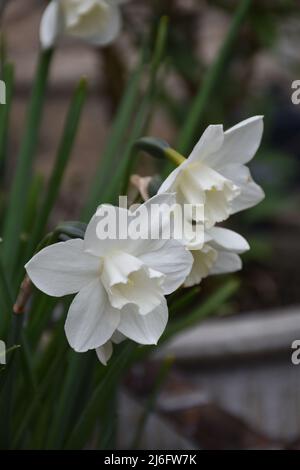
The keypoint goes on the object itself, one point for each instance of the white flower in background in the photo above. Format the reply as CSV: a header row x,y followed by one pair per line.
x,y
218,255
95,21
215,173
121,284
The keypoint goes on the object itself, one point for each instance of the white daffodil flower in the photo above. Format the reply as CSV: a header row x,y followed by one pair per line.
x,y
218,255
215,173
120,283
96,21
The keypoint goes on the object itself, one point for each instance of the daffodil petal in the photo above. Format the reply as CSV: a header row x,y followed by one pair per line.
x,y
171,258
51,25
104,352
155,220
227,240
98,26
144,329
226,263
251,193
94,239
170,181
63,268
240,144
204,259
91,320
209,143
117,337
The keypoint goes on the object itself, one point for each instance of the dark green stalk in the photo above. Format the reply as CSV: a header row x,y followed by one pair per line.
x,y
19,192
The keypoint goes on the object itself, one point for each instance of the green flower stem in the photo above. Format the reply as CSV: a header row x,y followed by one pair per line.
x,y
159,149
19,193
174,156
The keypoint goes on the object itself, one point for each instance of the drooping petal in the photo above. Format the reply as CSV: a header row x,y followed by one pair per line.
x,y
240,143
91,320
104,352
204,259
227,240
63,268
51,25
144,329
226,263
251,193
172,259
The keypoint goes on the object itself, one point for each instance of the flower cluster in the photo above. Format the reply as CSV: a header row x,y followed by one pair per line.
x,y
121,283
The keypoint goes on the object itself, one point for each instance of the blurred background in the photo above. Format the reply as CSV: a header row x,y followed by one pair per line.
x,y
232,383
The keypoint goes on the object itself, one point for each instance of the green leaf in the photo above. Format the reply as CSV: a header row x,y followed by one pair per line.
x,y
150,403
8,77
119,180
36,403
108,158
119,183
86,422
19,193
77,365
62,159
212,78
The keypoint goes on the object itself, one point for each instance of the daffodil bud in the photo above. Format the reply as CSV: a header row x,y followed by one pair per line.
x,y
159,148
71,229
